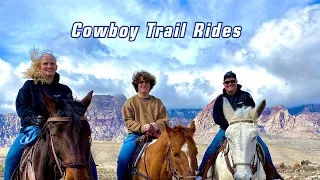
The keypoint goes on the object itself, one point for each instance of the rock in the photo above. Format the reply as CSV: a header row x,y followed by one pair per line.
x,y
305,162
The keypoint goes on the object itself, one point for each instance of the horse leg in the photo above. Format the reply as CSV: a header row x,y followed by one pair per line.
x,y
210,174
221,169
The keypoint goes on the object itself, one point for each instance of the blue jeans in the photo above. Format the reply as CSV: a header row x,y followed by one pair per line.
x,y
218,139
93,168
212,148
128,148
266,151
14,155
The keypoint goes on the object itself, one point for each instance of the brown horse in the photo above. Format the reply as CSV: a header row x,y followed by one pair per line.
x,y
172,155
63,147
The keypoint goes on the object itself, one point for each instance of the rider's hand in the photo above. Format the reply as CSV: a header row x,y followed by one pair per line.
x,y
155,126
145,127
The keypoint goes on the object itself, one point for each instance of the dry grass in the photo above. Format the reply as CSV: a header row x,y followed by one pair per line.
x,y
285,153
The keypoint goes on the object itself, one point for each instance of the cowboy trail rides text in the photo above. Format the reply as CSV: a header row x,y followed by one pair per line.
x,y
200,30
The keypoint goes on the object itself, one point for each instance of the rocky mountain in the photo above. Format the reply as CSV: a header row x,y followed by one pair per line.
x,y
278,121
182,116
206,128
305,108
105,119
104,116
9,128
303,123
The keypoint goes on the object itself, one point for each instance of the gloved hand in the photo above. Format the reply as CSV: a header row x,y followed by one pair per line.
x,y
30,135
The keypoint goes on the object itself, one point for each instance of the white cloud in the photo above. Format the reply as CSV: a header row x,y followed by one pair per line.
x,y
9,86
288,51
296,27
275,43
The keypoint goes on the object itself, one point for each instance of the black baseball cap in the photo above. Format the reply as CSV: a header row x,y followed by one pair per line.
x,y
229,74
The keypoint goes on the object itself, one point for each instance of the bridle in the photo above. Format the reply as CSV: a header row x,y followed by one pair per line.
x,y
253,166
59,164
170,167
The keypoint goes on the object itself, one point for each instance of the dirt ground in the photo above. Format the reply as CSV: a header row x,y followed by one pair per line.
x,y
287,155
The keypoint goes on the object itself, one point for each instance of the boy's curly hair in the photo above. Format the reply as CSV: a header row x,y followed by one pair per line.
x,y
146,76
34,72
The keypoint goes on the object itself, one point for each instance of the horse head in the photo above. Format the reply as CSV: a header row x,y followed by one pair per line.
x,y
181,153
68,135
242,137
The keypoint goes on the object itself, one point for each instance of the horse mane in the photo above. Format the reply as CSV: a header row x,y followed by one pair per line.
x,y
68,107
187,132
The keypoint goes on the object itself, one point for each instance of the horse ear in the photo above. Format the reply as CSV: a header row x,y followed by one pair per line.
x,y
259,109
192,126
49,102
227,109
87,100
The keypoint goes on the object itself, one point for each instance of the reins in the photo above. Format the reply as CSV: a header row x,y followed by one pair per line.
x,y
171,169
226,149
61,165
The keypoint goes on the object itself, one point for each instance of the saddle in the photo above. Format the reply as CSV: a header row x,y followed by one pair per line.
x,y
25,166
142,142
212,159
271,173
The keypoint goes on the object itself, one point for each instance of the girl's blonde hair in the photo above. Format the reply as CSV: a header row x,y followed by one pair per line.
x,y
34,72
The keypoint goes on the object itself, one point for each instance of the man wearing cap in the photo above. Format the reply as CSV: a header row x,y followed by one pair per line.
x,y
237,98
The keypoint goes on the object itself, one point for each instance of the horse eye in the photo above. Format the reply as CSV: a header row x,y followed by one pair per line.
x,y
176,155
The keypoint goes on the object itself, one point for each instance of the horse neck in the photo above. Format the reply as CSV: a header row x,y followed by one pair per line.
x,y
156,156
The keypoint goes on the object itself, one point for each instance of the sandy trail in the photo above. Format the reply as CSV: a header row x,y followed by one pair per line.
x,y
288,151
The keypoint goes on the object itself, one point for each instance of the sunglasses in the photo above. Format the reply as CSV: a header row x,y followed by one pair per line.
x,y
228,82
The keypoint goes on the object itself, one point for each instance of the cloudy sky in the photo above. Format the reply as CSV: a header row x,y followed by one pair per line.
x,y
276,57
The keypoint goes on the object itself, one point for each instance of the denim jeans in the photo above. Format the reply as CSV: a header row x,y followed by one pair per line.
x,y
93,168
128,148
266,151
212,148
218,139
13,157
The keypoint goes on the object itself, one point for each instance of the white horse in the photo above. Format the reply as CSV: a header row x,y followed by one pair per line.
x,y
239,159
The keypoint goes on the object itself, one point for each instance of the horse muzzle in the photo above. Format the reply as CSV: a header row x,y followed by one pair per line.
x,y
243,173
77,174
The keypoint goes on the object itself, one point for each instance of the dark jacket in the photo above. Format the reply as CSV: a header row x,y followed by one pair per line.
x,y
29,103
238,100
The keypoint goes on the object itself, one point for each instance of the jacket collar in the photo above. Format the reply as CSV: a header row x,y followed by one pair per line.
x,y
56,80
